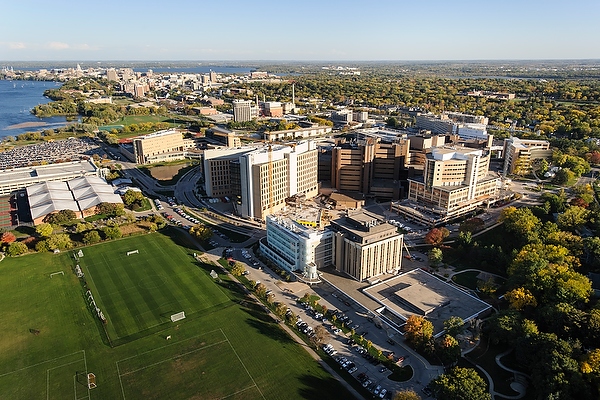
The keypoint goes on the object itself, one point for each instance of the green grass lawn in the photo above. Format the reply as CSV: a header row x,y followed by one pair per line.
x,y
227,347
141,291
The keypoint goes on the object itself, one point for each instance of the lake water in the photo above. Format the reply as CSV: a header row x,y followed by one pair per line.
x,y
17,98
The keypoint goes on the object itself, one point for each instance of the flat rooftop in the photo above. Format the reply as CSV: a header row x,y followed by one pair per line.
x,y
419,293
46,171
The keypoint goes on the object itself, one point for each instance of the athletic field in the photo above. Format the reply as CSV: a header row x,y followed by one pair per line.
x,y
139,292
226,348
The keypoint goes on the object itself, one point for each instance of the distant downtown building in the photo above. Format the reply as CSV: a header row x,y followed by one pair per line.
x,y
244,110
262,178
365,246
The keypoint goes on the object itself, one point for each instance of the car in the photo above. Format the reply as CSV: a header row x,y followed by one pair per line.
x,y
355,326
377,389
352,370
382,369
382,393
245,273
362,377
337,331
366,383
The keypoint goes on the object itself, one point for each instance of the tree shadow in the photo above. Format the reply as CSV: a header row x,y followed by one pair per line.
x,y
271,330
322,388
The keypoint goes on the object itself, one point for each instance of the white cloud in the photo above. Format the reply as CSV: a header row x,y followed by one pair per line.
x,y
16,45
58,46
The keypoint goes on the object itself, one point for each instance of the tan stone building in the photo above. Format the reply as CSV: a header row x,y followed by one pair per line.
x,y
519,153
165,145
455,181
365,246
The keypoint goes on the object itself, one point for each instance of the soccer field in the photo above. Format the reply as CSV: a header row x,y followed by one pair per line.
x,y
227,347
139,292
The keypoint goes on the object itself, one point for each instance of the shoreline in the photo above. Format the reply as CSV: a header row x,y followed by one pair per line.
x,y
26,125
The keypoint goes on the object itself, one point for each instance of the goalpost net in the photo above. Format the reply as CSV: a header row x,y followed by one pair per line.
x,y
178,317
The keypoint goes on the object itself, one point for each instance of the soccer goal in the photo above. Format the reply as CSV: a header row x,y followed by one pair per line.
x,y
57,273
178,317
133,252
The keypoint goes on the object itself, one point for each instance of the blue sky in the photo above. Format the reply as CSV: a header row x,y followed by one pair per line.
x,y
299,30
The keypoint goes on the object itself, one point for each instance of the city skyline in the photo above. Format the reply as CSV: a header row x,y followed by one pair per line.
x,y
313,31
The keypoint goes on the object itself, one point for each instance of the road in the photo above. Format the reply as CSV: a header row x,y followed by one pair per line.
x,y
288,293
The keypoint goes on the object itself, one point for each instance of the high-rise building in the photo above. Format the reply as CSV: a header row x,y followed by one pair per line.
x,y
111,74
455,181
297,247
244,110
365,246
266,176
373,165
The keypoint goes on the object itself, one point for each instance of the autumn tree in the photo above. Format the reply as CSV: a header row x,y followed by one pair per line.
x,y
260,290
237,269
16,249
407,394
44,230
320,335
418,330
520,298
60,217
7,238
280,309
436,236
201,232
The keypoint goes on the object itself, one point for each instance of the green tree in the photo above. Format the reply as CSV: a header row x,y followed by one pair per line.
x,y
454,326
84,226
91,237
435,256
460,384
112,232
448,350
44,230
16,249
572,219
60,217
60,241
133,198
522,223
